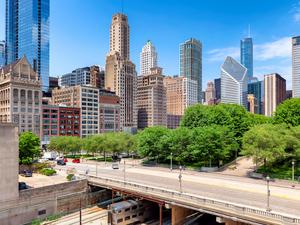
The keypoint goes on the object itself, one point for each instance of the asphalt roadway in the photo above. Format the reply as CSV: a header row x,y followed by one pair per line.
x,y
240,190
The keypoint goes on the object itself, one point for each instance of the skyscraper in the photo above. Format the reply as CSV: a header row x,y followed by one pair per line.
x,y
2,53
151,99
191,63
275,92
218,89
296,67
120,71
148,58
27,33
234,81
247,55
210,93
256,88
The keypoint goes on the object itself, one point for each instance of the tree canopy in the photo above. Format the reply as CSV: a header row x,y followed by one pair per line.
x,y
29,147
288,112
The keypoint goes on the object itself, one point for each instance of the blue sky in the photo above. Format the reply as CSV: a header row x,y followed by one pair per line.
x,y
80,32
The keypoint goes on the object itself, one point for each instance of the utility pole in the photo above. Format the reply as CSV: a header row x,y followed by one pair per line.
x,y
124,171
180,179
171,163
293,170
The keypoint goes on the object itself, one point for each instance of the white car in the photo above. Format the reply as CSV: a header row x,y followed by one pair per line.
x,y
115,166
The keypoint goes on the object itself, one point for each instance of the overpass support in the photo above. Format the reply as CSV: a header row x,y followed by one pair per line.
x,y
179,214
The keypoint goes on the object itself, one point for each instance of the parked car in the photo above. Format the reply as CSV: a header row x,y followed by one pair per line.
x,y
76,161
22,186
61,162
26,173
65,160
115,166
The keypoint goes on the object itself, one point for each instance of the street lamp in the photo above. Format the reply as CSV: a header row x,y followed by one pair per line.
x,y
293,170
171,163
124,170
268,194
180,179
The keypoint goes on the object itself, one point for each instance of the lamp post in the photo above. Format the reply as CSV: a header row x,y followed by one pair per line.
x,y
293,170
124,170
180,179
171,162
268,194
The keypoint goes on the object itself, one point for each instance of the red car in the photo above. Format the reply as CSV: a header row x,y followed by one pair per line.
x,y
76,161
65,160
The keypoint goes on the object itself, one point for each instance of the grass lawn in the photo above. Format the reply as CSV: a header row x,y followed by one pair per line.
x,y
283,171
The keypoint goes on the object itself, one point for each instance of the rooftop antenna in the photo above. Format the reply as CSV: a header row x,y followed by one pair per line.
x,y
122,5
249,31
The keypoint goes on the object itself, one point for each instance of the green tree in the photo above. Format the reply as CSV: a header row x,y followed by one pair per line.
x,y
265,143
150,142
288,112
29,147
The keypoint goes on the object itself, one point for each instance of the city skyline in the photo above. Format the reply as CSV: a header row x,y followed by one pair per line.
x,y
272,49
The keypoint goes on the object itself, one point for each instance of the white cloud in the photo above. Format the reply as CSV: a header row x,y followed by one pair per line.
x,y
297,13
220,54
280,48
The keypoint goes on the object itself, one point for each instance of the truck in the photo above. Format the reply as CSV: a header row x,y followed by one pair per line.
x,y
50,155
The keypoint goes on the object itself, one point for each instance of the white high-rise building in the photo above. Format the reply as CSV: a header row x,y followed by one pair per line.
x,y
148,58
296,67
234,82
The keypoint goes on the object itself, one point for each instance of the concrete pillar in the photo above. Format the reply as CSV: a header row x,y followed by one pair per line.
x,y
179,214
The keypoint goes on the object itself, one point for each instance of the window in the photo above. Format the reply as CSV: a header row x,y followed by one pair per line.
x,y
127,218
126,210
42,212
120,220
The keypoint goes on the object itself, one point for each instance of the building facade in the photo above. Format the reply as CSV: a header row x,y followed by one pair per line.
x,y
217,83
180,95
210,93
97,77
87,99
151,99
296,66
121,76
275,92
27,33
256,88
2,53
109,112
247,55
252,104
234,83
191,63
148,58
59,121
20,96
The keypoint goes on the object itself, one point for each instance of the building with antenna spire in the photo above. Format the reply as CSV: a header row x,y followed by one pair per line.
x,y
247,54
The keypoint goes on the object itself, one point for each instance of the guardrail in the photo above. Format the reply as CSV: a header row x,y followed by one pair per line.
x,y
196,201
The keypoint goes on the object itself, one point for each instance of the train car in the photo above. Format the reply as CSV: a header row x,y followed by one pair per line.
x,y
129,212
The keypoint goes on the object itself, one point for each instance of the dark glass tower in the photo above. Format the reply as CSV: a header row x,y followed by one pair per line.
x,y
191,62
256,88
27,33
247,55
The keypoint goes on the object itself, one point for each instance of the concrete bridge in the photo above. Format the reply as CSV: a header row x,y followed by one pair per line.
x,y
180,202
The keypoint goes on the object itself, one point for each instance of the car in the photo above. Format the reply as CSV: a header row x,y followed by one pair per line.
x,y
22,186
76,161
65,160
61,162
115,166
26,173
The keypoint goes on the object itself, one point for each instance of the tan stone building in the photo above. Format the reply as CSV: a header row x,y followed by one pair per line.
x,y
151,99
20,96
84,97
210,95
181,93
120,71
252,103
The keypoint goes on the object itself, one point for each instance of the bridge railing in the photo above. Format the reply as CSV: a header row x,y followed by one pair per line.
x,y
196,200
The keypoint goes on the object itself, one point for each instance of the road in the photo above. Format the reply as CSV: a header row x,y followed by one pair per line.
x,y
239,190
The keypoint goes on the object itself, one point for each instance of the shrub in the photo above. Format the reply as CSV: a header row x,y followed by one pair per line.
x,y
48,171
70,177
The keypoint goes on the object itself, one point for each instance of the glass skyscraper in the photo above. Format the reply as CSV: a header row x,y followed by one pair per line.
x,y
191,62
27,33
247,55
2,53
256,88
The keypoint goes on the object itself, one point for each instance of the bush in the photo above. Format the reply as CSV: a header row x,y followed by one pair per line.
x,y
70,177
48,171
